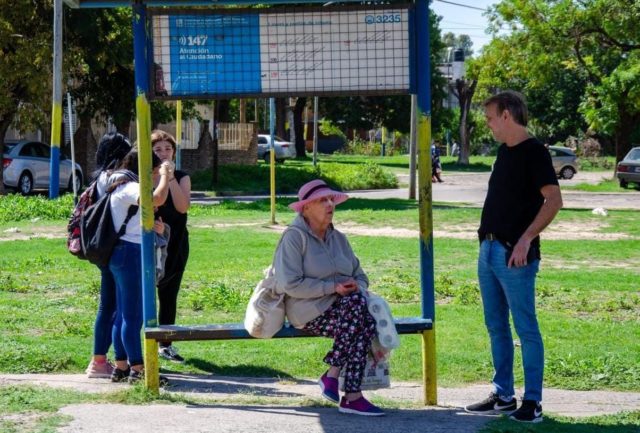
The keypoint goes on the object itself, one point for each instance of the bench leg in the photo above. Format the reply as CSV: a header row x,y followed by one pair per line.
x,y
429,378
151,366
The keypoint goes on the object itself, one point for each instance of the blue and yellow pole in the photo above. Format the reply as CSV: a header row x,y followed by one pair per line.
x,y
178,134
56,111
272,157
425,199
143,131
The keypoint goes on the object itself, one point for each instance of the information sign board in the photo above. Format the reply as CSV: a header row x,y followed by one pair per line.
x,y
270,53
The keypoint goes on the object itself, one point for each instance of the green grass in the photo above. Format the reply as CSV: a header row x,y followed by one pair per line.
x,y
588,302
607,185
626,422
586,294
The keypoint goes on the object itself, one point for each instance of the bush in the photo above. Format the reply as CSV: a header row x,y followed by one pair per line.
x,y
15,207
361,176
233,180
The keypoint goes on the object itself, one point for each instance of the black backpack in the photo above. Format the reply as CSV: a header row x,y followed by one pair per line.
x,y
97,234
87,198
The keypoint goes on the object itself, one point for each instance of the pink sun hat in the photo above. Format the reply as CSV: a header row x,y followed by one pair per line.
x,y
314,190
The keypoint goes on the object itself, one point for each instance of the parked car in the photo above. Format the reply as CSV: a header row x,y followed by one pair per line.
x,y
26,167
565,161
628,170
284,149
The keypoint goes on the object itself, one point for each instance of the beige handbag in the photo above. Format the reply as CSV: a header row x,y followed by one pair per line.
x,y
265,312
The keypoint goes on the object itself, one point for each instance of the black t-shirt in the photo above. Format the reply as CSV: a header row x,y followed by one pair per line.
x,y
514,197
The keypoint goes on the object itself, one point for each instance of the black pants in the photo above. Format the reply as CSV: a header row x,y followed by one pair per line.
x,y
169,287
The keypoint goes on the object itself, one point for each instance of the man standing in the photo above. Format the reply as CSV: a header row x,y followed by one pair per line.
x,y
523,198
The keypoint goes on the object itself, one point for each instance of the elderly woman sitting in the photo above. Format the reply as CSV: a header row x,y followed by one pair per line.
x,y
324,285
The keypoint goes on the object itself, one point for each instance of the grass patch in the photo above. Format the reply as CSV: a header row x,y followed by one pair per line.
x,y
583,298
625,422
254,179
606,185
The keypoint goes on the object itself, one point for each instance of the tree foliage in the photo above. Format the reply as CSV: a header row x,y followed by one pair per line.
x,y
576,61
463,41
25,65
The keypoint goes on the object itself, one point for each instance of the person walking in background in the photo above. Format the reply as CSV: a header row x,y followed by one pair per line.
x,y
125,263
436,166
174,213
324,289
523,198
111,150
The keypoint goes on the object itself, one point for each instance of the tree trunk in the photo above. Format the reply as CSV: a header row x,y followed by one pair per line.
x,y
222,111
299,127
5,122
623,134
123,126
243,111
281,116
464,90
85,146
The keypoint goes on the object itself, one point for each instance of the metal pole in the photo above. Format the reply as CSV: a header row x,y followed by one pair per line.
x,y
423,115
143,132
272,157
56,110
315,131
412,150
73,149
178,134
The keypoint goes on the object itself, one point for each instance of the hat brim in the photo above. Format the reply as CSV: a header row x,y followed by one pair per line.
x,y
338,197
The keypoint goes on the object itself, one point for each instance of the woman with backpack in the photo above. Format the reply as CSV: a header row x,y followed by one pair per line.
x,y
125,263
174,213
111,150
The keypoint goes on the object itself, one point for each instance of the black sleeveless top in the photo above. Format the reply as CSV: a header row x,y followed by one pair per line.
x,y
178,248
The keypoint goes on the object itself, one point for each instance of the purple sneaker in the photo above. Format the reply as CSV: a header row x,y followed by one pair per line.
x,y
329,387
361,406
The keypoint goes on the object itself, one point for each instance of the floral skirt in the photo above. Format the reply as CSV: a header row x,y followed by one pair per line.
x,y
352,328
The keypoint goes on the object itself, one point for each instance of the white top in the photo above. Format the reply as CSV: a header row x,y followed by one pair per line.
x,y
123,197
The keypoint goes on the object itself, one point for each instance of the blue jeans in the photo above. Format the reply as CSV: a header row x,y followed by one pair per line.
x,y
505,290
106,315
125,266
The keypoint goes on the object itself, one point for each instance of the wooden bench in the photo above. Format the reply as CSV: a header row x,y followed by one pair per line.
x,y
236,331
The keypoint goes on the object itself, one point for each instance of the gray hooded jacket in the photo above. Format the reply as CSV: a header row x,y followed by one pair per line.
x,y
308,281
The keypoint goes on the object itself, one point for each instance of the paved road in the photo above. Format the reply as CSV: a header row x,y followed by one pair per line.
x,y
233,404
471,189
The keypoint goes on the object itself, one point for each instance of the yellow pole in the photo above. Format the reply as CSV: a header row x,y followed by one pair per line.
x,y
429,378
423,141
152,378
272,157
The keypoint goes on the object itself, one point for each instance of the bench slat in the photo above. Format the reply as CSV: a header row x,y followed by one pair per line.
x,y
236,331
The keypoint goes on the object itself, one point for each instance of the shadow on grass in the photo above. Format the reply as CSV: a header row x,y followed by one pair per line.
x,y
473,167
264,205
619,423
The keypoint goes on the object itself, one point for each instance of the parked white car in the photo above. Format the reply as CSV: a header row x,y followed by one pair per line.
x,y
25,167
284,149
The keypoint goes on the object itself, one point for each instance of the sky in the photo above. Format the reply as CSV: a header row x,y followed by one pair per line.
x,y
458,19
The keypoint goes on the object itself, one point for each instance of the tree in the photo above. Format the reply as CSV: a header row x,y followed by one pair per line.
x,y
298,127
25,65
592,45
463,41
464,90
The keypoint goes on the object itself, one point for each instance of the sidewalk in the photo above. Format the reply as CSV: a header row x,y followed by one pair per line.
x,y
232,404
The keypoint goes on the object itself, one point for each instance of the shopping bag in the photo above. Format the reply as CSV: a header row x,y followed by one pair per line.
x,y
376,373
